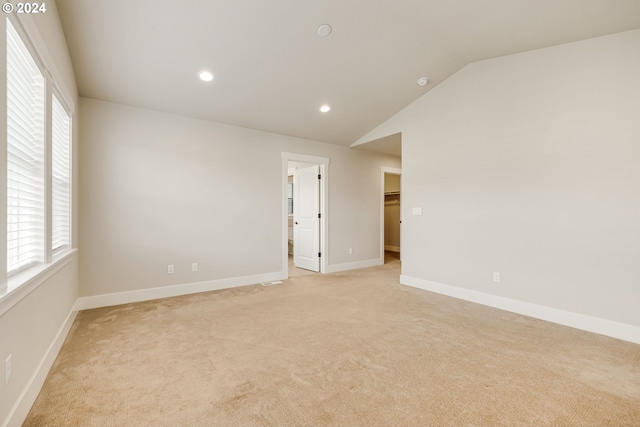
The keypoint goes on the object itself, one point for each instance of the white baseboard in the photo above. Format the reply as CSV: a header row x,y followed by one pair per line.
x,y
609,328
334,268
28,397
392,248
107,300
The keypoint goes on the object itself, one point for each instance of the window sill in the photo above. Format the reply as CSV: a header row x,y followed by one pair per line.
x,y
25,282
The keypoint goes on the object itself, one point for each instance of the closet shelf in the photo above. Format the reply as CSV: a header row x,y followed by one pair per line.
x,y
391,198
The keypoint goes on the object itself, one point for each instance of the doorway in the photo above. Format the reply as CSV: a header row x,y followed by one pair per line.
x,y
390,215
305,189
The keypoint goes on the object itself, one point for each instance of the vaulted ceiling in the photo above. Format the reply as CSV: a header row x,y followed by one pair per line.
x,y
272,70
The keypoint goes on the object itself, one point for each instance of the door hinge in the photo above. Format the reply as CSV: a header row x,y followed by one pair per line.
x,y
319,255
319,176
319,216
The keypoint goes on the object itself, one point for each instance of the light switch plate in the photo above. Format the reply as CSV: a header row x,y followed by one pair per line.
x,y
416,211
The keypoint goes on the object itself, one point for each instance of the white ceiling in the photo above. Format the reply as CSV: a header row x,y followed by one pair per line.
x,y
272,70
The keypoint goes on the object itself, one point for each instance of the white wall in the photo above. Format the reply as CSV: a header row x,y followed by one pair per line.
x,y
32,329
529,165
156,190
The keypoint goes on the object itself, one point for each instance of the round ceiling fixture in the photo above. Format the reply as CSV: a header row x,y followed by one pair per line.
x,y
324,30
422,81
205,76
325,109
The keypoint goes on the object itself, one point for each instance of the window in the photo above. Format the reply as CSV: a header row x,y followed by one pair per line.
x,y
60,176
38,159
25,155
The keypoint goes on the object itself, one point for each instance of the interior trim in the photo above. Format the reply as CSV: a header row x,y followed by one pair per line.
x,y
596,325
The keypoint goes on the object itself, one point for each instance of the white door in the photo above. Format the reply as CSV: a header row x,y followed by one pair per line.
x,y
306,224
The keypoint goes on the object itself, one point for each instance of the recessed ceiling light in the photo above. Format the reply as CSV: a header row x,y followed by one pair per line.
x,y
324,30
325,109
205,76
422,81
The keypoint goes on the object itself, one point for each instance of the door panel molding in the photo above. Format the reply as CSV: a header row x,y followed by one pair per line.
x,y
306,221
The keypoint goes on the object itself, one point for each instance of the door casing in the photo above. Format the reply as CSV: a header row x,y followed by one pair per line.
x,y
323,163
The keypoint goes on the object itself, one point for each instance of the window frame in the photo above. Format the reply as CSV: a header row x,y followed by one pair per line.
x,y
23,282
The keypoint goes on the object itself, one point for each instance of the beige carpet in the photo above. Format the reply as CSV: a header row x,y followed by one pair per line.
x,y
295,271
353,348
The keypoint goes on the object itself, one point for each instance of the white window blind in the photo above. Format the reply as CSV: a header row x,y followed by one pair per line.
x,y
61,176
290,198
25,155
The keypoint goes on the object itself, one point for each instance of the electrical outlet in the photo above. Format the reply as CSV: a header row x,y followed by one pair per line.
x,y
496,277
350,251
194,267
8,368
170,269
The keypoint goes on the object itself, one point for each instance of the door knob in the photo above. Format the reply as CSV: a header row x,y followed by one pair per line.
x,y
296,222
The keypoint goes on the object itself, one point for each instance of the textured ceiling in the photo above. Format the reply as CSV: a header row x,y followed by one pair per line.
x,y
273,71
